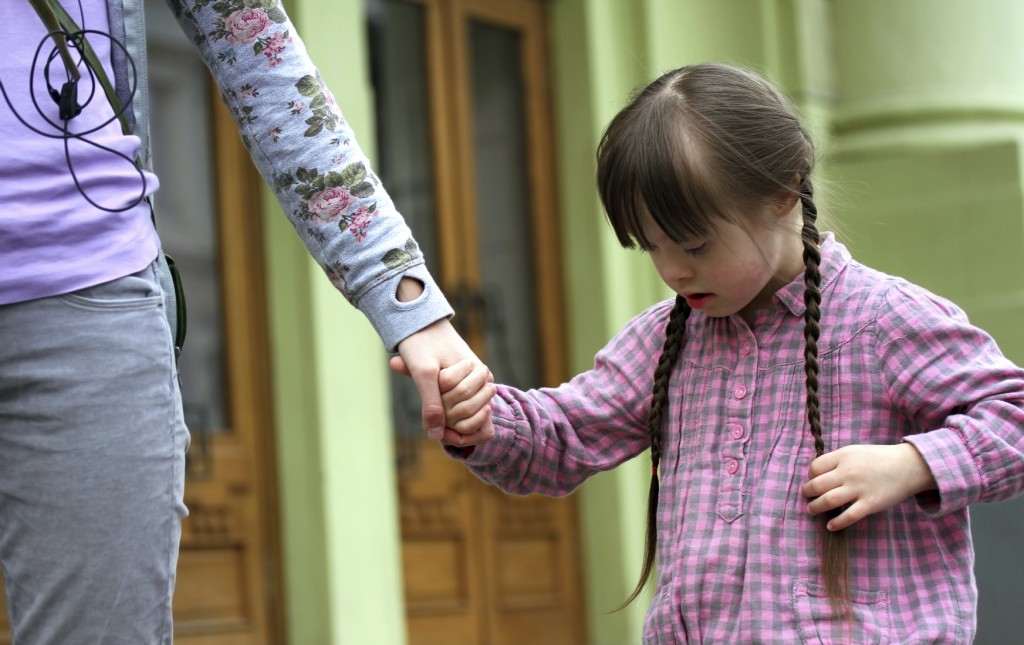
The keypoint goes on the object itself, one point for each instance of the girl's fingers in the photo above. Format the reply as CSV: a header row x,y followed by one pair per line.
x,y
821,484
823,464
454,374
468,387
473,431
458,411
835,498
855,513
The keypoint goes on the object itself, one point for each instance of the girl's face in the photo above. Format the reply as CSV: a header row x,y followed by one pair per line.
x,y
737,268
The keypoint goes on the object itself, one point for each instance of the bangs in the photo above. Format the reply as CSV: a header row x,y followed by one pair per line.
x,y
648,165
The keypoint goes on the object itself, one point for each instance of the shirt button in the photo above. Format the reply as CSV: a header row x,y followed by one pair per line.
x,y
740,392
731,466
737,431
746,349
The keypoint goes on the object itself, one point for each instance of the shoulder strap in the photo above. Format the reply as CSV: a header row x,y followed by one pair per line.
x,y
61,25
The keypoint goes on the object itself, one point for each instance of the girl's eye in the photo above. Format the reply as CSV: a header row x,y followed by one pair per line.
x,y
697,250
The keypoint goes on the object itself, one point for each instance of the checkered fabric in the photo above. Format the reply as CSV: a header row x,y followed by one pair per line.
x,y
738,551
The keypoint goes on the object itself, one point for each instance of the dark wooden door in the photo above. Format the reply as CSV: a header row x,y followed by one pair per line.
x,y
465,150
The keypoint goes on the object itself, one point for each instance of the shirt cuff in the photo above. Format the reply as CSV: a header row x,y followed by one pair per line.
x,y
491,452
956,474
395,321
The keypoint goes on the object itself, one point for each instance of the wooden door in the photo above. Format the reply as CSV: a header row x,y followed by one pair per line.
x,y
465,149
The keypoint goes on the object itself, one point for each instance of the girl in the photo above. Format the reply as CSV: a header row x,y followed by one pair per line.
x,y
803,412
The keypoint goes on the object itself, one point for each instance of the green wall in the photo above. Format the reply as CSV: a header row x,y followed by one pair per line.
x,y
339,523
928,132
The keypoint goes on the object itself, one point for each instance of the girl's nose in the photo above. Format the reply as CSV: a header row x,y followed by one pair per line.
x,y
675,271
681,269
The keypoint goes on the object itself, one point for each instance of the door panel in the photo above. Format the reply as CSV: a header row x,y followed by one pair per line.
x,y
502,199
464,150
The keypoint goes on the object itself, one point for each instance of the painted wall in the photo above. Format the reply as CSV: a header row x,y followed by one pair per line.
x,y
339,515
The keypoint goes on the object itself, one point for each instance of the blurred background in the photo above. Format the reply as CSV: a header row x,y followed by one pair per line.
x,y
318,514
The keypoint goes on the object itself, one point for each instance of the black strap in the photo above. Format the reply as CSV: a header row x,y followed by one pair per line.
x,y
61,26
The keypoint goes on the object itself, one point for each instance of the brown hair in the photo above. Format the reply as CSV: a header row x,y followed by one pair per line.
x,y
696,145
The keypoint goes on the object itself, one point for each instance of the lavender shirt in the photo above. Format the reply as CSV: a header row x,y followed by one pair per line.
x,y
51,240
738,552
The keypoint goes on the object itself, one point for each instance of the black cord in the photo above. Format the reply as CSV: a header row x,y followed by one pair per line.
x,y
63,132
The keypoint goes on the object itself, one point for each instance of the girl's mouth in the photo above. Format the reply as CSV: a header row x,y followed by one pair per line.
x,y
698,300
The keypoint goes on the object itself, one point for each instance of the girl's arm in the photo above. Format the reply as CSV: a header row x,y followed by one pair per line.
x,y
951,379
550,440
948,378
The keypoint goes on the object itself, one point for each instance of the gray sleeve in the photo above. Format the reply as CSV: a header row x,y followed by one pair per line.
x,y
306,151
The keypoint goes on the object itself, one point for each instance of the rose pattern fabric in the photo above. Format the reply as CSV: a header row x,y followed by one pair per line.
x,y
285,111
246,25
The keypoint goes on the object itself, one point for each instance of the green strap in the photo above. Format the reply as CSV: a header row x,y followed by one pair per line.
x,y
57,19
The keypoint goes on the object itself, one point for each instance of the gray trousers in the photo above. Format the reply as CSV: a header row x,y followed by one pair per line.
x,y
92,457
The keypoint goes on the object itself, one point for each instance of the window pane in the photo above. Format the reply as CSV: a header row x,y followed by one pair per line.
x,y
503,204
399,76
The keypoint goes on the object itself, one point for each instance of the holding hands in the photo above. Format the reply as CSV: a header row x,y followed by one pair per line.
x,y
423,356
865,479
454,386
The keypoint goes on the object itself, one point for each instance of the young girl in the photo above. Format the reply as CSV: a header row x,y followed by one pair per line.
x,y
817,429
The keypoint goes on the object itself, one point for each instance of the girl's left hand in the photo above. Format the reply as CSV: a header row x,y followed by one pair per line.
x,y
866,479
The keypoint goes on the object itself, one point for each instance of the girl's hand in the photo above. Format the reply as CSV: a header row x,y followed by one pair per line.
x,y
466,390
867,478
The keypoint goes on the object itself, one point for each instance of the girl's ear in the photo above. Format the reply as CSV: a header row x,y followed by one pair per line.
x,y
787,199
784,204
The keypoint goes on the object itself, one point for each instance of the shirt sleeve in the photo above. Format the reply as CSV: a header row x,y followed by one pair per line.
x,y
306,151
951,380
551,440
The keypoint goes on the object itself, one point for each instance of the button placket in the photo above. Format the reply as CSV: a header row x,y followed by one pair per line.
x,y
735,432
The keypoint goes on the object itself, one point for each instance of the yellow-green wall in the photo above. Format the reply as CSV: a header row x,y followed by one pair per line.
x,y
342,563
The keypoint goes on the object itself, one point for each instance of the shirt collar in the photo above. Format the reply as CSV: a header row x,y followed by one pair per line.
x,y
834,258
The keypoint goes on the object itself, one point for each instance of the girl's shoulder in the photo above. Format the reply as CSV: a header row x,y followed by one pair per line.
x,y
645,331
653,318
874,297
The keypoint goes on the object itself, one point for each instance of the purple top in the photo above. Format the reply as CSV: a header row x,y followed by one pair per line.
x,y
738,552
52,241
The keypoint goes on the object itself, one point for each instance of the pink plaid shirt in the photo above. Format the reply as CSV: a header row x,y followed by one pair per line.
x,y
738,551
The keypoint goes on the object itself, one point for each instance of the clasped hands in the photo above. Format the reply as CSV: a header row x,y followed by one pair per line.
x,y
455,387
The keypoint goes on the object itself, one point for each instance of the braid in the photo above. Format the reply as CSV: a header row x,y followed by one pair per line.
x,y
674,334
812,312
835,555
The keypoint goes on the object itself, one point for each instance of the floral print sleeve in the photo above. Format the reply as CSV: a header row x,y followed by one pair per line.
x,y
304,148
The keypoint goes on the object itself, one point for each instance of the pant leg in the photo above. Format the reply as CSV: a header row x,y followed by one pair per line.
x,y
92,451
